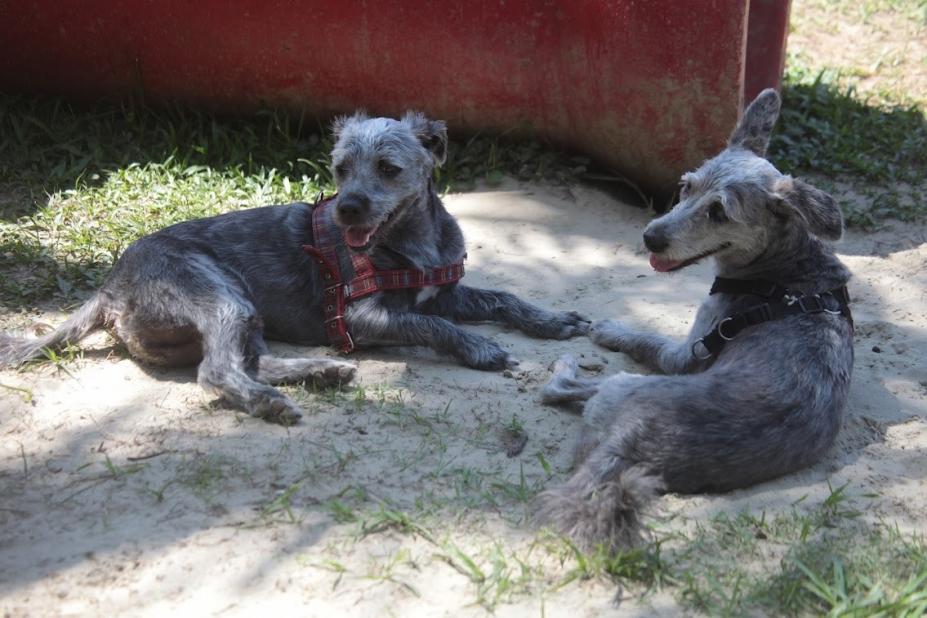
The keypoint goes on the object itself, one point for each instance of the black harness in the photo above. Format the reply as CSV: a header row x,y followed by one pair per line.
x,y
781,303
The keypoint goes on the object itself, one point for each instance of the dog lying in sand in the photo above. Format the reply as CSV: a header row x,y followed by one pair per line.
x,y
759,387
379,263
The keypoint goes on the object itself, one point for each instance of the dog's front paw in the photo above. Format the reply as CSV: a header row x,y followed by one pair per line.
x,y
563,325
609,334
574,324
485,354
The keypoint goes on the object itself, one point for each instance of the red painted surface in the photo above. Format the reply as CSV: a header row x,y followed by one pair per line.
x,y
767,32
649,87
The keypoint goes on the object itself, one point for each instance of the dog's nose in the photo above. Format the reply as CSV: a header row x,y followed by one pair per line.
x,y
655,241
353,208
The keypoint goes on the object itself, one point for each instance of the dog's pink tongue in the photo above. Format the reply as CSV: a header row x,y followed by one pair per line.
x,y
660,265
357,236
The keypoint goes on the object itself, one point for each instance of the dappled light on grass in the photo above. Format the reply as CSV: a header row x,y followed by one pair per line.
x,y
78,184
828,129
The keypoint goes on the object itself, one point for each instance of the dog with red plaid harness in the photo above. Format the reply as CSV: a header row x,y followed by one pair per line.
x,y
377,264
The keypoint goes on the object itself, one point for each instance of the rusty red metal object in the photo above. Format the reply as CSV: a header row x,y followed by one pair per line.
x,y
767,32
649,88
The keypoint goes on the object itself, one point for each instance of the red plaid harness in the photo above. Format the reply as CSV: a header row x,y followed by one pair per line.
x,y
367,279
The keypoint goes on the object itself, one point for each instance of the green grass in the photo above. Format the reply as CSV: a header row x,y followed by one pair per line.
x,y
810,559
741,564
209,476
823,560
827,128
25,394
78,184
863,9
877,149
855,99
114,470
497,574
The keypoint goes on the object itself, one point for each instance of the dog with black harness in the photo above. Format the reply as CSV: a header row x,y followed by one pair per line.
x,y
377,264
759,387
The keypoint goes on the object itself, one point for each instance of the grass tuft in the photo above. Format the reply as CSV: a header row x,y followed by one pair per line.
x,y
829,129
824,560
878,148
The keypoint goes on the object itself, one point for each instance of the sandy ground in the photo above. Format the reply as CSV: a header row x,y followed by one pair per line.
x,y
129,491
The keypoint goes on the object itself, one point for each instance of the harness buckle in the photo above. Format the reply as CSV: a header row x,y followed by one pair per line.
x,y
790,299
701,340
721,331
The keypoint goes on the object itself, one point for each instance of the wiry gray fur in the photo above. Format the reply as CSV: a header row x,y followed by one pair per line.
x,y
774,398
209,291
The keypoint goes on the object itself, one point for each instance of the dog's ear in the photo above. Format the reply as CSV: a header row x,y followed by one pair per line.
x,y
431,133
755,127
816,208
341,122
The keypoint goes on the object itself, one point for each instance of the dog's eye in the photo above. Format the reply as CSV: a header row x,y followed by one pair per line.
x,y
388,170
341,170
716,213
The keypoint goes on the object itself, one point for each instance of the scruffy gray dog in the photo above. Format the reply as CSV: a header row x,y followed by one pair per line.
x,y
758,388
209,291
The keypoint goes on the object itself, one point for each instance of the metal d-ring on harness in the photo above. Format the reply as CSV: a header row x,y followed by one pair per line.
x,y
781,303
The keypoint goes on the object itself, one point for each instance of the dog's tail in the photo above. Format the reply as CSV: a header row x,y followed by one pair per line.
x,y
17,350
608,512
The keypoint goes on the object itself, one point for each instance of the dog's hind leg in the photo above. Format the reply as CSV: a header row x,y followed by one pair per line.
x,y
602,409
226,329
176,305
603,500
321,371
272,369
265,367
565,386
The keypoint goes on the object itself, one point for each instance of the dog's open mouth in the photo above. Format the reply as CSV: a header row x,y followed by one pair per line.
x,y
662,265
358,236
